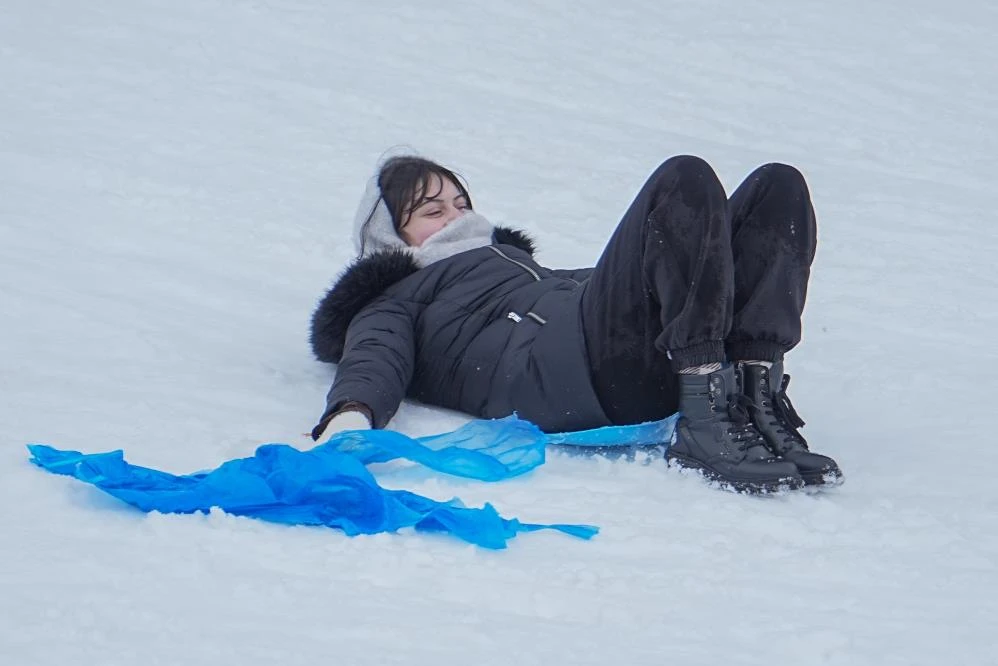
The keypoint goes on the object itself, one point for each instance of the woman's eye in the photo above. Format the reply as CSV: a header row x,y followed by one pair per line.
x,y
434,213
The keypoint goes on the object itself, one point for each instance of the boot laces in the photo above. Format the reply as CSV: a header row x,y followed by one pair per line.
x,y
742,430
781,413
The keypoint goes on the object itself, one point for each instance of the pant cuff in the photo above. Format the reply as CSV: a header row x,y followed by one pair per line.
x,y
701,353
755,350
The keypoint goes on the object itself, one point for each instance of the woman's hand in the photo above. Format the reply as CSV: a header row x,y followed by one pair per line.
x,y
347,419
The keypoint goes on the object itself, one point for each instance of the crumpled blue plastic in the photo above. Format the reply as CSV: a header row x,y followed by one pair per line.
x,y
330,485
482,450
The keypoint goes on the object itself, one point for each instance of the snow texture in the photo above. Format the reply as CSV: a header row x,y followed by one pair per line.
x,y
177,182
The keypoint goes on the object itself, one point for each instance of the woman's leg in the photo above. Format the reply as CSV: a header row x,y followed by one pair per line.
x,y
773,244
663,287
656,312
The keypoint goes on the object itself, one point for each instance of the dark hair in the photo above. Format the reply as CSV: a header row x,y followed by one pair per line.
x,y
404,182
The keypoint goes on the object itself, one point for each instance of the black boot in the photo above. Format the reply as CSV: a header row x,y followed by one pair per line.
x,y
776,419
715,434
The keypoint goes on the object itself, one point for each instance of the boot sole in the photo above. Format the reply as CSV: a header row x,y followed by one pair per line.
x,y
828,479
744,486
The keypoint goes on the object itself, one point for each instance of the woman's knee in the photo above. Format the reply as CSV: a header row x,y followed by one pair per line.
x,y
687,171
781,177
689,165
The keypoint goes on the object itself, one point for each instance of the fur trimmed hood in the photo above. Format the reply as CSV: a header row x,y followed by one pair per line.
x,y
366,279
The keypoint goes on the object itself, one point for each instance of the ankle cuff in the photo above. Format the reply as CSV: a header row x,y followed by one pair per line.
x,y
701,353
755,350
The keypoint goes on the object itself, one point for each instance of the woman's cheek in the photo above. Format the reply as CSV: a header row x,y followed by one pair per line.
x,y
424,233
430,230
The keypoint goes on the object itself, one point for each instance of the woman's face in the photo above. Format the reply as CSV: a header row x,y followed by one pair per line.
x,y
434,212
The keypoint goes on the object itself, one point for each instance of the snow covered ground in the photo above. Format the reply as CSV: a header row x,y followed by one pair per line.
x,y
177,183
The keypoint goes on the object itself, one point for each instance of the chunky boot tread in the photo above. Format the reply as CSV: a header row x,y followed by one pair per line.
x,y
751,486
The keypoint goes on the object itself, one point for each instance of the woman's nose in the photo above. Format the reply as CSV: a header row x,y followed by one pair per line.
x,y
452,213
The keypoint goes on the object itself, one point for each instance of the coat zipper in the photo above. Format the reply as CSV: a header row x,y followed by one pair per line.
x,y
518,263
533,315
512,315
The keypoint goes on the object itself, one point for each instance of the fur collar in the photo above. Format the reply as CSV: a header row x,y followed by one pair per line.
x,y
366,279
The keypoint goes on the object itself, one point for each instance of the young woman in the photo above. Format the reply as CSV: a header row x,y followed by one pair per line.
x,y
691,307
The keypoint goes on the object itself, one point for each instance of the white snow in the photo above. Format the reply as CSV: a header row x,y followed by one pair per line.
x,y
177,182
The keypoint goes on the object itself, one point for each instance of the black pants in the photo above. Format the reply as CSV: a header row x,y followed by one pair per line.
x,y
692,277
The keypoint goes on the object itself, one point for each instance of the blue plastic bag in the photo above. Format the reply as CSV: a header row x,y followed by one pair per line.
x,y
330,485
483,450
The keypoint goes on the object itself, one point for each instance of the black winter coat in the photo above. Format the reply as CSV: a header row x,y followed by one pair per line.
x,y
488,332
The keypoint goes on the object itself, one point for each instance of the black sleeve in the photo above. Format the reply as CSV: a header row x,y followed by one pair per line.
x,y
378,360
578,274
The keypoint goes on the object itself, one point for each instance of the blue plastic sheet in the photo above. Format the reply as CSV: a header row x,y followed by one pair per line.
x,y
483,450
330,484
653,433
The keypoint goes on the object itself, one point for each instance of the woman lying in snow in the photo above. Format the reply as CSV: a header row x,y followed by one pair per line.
x,y
691,307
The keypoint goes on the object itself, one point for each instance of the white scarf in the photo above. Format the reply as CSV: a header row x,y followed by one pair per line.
x,y
374,231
